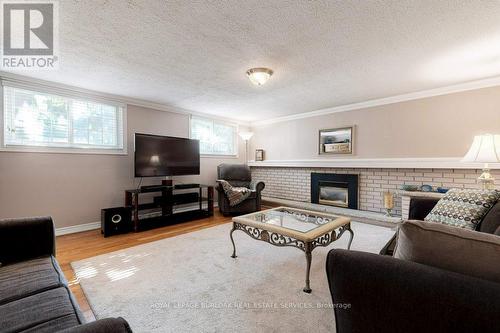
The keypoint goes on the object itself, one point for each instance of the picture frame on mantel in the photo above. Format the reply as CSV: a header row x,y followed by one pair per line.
x,y
333,141
259,155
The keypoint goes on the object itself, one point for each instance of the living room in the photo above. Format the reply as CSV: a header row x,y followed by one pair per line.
x,y
250,166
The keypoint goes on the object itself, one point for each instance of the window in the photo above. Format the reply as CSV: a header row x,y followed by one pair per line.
x,y
216,138
37,119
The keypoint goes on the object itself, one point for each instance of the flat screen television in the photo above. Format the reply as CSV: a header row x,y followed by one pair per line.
x,y
157,156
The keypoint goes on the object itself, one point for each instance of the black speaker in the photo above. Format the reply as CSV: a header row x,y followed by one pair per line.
x,y
116,221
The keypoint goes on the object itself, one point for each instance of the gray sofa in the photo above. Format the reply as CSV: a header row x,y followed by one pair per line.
x,y
441,280
238,175
376,293
34,295
421,207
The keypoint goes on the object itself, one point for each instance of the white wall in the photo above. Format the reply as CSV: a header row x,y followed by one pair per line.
x,y
73,188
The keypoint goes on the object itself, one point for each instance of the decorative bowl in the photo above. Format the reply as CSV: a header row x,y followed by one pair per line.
x,y
410,188
442,189
426,188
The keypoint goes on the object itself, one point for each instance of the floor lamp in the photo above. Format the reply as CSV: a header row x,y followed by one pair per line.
x,y
246,136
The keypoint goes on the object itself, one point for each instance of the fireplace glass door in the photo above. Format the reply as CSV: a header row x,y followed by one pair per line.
x,y
333,195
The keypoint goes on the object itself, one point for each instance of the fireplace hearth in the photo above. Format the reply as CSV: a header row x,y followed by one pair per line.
x,y
340,190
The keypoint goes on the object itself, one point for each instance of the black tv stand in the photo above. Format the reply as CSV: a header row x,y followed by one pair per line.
x,y
183,186
145,188
169,207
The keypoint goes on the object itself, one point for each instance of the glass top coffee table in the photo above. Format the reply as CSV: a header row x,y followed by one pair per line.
x,y
285,226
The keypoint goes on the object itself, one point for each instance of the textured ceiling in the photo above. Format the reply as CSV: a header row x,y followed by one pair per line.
x,y
194,54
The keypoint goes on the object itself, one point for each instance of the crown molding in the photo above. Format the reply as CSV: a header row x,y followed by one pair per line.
x,y
471,85
54,87
67,89
371,163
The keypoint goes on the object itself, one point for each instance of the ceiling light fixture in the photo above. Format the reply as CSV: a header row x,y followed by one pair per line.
x,y
259,76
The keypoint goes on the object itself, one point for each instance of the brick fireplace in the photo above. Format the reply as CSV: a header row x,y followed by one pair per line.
x,y
294,183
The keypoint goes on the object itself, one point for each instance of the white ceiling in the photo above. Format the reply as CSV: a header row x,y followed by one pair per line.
x,y
194,54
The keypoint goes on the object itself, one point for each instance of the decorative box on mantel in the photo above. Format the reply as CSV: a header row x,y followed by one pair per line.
x,y
407,195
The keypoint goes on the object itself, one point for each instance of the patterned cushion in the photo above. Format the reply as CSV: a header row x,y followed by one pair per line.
x,y
463,208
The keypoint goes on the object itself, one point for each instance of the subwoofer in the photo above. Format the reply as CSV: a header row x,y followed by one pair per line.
x,y
117,220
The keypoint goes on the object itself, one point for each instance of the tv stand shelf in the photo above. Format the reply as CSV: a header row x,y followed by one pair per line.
x,y
173,205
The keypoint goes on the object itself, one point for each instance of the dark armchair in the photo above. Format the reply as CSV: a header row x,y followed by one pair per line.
x,y
238,175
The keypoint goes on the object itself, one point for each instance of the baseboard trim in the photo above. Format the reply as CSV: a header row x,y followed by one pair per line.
x,y
88,226
77,228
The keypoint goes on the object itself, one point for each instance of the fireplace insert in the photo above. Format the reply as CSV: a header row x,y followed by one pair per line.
x,y
333,194
340,190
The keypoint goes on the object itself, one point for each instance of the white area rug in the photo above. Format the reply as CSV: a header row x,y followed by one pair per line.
x,y
190,283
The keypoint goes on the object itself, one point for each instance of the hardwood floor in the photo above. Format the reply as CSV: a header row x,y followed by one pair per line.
x,y
88,244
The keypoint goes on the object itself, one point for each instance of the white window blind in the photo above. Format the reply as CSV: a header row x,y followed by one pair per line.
x,y
216,138
37,119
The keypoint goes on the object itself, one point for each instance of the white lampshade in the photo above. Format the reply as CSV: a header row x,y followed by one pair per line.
x,y
485,149
245,135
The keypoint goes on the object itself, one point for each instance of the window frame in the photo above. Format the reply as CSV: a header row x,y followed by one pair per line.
x,y
235,155
61,150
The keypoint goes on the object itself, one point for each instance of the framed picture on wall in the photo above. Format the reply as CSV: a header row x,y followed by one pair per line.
x,y
259,154
336,140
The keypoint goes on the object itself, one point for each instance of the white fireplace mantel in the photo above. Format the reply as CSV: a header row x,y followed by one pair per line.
x,y
411,163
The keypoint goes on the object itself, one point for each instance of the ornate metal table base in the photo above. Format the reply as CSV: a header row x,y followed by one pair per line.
x,y
280,240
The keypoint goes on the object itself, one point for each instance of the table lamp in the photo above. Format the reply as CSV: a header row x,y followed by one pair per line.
x,y
484,149
246,136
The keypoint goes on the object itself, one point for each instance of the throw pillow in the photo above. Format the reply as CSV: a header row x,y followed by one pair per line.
x,y
491,222
458,250
463,208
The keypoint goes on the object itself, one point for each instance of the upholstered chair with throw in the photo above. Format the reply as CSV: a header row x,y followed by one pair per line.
x,y
238,175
